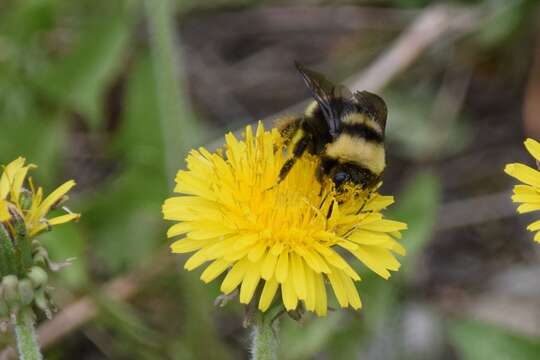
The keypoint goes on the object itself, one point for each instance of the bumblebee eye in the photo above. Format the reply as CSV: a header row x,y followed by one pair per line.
x,y
340,178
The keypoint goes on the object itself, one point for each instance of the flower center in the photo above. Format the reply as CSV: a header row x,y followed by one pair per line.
x,y
284,215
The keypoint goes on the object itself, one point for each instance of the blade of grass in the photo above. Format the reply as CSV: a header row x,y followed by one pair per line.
x,y
180,130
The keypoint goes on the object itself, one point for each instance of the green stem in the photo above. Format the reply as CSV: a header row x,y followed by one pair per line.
x,y
27,344
263,339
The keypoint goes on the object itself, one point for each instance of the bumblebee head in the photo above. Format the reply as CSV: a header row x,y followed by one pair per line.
x,y
341,177
342,173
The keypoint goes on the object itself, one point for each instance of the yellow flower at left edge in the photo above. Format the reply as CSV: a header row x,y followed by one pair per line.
x,y
291,239
30,204
528,193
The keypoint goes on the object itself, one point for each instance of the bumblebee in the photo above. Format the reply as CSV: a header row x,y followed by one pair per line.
x,y
344,130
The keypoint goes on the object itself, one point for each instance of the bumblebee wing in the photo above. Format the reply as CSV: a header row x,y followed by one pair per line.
x,y
324,94
372,105
343,100
343,92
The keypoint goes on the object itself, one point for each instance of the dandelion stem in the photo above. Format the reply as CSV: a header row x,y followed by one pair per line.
x,y
25,333
263,338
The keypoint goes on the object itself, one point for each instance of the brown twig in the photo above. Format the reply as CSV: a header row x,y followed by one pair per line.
x,y
476,210
531,108
430,26
285,20
447,106
509,312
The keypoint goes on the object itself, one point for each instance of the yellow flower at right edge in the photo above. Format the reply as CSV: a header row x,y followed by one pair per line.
x,y
527,194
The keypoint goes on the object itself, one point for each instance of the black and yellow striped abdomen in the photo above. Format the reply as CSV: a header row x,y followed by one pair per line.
x,y
360,142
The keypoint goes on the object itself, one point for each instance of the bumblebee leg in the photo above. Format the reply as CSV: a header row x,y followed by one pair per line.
x,y
288,126
299,149
370,191
286,168
329,213
319,174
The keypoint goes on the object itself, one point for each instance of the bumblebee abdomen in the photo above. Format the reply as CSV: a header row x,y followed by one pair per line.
x,y
358,150
362,131
362,125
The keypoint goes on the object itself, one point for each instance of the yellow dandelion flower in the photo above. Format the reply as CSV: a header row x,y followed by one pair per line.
x,y
528,194
30,205
294,236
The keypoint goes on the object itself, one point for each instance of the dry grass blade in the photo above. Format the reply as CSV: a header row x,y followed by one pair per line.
x,y
532,98
431,25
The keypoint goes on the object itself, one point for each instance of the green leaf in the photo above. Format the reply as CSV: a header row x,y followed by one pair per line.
x,y
509,15
26,18
380,298
412,3
79,79
477,341
304,341
63,242
128,237
40,142
411,127
180,130
124,318
125,213
417,205
139,142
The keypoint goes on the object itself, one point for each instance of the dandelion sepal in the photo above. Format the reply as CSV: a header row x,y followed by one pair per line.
x,y
22,243
7,253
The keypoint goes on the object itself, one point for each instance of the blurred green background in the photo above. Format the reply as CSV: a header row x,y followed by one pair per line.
x,y
113,94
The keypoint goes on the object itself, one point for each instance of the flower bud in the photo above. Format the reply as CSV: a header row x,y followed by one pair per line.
x,y
38,276
26,291
40,256
42,302
4,326
11,294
